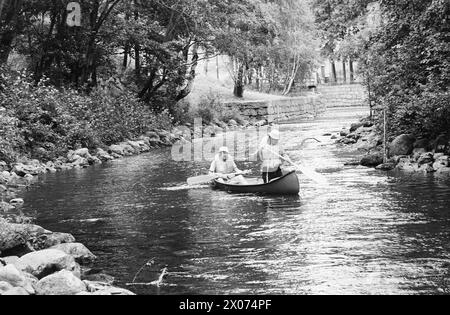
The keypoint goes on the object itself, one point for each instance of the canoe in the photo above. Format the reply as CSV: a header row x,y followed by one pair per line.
x,y
284,186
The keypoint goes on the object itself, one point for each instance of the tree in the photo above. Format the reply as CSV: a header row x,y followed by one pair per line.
x,y
339,21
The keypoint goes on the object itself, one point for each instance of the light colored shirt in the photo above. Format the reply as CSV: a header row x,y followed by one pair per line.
x,y
220,166
270,157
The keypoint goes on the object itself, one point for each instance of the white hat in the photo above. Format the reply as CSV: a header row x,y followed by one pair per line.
x,y
275,135
224,150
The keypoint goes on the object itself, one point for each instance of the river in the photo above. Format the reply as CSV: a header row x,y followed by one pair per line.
x,y
367,233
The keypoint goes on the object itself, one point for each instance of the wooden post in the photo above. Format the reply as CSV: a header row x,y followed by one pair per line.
x,y
217,67
385,135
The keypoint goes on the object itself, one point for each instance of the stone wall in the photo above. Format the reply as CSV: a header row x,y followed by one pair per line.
x,y
350,95
283,109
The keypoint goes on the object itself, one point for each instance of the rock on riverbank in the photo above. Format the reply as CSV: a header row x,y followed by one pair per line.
x,y
49,271
406,153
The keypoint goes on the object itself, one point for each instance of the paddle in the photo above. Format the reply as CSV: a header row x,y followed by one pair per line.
x,y
201,180
206,179
311,174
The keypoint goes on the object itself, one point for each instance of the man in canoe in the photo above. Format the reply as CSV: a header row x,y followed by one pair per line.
x,y
272,156
226,169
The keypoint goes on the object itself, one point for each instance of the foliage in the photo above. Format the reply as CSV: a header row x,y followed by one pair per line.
x,y
209,109
407,61
405,58
273,41
46,122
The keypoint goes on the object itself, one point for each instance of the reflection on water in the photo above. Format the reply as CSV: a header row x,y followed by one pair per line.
x,y
367,233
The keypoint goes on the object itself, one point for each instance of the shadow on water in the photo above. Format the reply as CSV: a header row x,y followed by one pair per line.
x,y
367,233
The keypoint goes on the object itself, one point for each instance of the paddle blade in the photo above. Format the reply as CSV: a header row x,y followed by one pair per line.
x,y
201,180
313,175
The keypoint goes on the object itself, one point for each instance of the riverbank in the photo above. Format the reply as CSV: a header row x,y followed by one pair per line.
x,y
407,154
34,260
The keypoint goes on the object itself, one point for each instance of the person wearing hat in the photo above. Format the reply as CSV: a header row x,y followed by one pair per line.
x,y
225,168
270,154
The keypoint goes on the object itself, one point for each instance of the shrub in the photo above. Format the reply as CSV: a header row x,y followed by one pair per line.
x,y
45,122
10,137
211,108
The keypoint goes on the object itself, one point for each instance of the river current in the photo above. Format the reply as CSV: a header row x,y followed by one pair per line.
x,y
366,233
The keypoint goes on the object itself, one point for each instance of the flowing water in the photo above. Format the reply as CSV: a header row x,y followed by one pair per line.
x,y
367,233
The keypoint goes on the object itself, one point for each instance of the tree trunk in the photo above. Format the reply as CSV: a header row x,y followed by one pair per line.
x,y
137,60
352,72
191,77
126,53
344,70
239,82
333,72
290,83
9,15
258,78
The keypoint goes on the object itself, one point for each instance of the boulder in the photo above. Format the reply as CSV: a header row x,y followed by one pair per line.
x,y
78,251
233,123
348,141
22,169
417,153
426,158
405,164
100,277
423,144
442,144
16,292
11,260
386,166
443,171
60,283
426,168
45,262
50,167
356,126
117,149
93,160
5,287
13,236
135,145
14,277
17,203
80,162
441,162
3,166
4,177
83,153
53,239
5,207
369,141
94,286
103,155
344,133
372,160
113,291
402,145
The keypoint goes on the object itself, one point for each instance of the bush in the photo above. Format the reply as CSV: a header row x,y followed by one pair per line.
x,y
232,114
426,115
45,122
10,138
211,108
